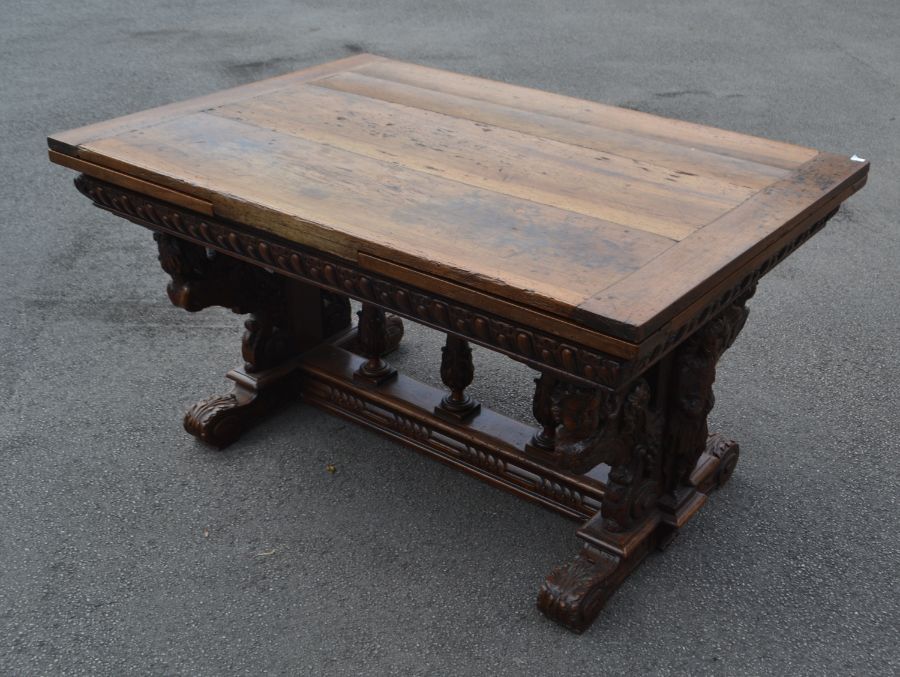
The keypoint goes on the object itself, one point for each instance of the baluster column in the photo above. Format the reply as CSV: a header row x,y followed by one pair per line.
x,y
373,342
542,408
457,372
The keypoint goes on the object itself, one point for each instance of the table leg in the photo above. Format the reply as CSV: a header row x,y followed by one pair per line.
x,y
692,370
287,317
662,463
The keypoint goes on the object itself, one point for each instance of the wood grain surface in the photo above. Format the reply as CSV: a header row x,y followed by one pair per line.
x,y
575,211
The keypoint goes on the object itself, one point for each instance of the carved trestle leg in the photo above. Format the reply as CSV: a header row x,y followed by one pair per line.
x,y
287,317
457,373
690,399
624,432
662,462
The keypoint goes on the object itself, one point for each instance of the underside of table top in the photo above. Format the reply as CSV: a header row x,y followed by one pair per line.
x,y
576,212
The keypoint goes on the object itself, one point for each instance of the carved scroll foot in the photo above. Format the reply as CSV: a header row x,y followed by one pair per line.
x,y
717,463
714,468
574,593
221,420
728,452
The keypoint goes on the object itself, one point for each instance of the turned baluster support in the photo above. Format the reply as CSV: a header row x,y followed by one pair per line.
x,y
373,343
457,373
542,408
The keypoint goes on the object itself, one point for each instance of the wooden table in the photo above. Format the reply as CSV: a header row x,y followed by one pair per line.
x,y
610,250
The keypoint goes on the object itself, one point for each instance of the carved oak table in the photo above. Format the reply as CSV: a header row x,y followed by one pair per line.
x,y
610,250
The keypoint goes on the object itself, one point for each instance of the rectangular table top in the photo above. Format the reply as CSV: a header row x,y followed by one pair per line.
x,y
580,213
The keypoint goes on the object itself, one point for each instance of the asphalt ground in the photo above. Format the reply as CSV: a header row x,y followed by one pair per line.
x,y
128,548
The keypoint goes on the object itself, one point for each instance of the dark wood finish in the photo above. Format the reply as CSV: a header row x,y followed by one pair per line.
x,y
721,452
657,446
221,419
457,372
287,317
487,446
612,251
544,439
690,392
373,342
574,593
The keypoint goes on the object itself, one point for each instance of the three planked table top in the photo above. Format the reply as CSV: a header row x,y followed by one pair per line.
x,y
576,217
